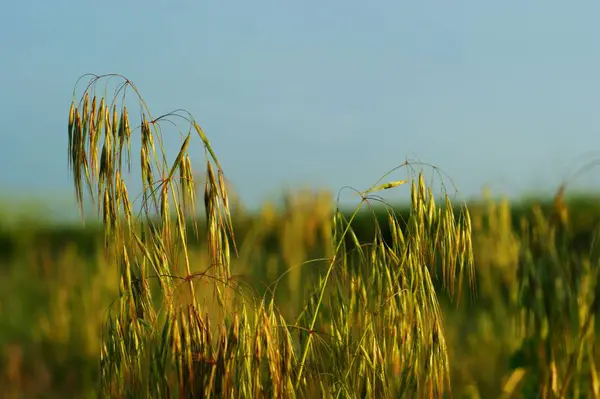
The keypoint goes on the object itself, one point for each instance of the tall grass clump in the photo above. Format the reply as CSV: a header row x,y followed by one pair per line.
x,y
559,298
371,327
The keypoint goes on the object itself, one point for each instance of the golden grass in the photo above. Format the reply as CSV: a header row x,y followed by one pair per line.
x,y
159,344
300,306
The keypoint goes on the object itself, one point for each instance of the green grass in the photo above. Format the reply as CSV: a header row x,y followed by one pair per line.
x,y
481,330
303,301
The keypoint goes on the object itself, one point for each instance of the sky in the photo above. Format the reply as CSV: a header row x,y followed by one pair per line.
x,y
323,93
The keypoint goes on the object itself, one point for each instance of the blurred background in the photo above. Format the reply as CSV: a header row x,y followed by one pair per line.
x,y
299,100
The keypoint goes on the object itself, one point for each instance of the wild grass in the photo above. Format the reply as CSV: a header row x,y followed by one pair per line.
x,y
371,326
56,284
305,300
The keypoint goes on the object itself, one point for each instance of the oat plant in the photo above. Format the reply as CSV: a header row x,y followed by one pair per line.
x,y
559,301
385,333
156,338
372,326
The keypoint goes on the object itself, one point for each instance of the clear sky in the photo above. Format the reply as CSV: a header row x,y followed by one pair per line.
x,y
327,93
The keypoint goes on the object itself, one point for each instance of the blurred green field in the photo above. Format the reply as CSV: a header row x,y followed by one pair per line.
x,y
298,299
56,284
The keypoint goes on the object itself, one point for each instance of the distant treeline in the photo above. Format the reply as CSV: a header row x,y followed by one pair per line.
x,y
584,215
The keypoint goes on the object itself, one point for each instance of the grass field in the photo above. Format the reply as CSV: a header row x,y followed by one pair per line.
x,y
56,287
436,299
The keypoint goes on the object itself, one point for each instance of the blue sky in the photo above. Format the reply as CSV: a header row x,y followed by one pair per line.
x,y
323,93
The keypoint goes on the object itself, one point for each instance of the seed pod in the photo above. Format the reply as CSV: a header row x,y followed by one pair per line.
x,y
115,121
71,126
179,156
223,189
85,107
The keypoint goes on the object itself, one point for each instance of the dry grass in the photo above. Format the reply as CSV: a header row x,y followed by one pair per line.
x,y
372,325
303,301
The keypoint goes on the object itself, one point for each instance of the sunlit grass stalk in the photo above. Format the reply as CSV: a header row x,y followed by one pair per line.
x,y
162,343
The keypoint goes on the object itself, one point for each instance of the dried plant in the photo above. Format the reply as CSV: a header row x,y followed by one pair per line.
x,y
372,326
